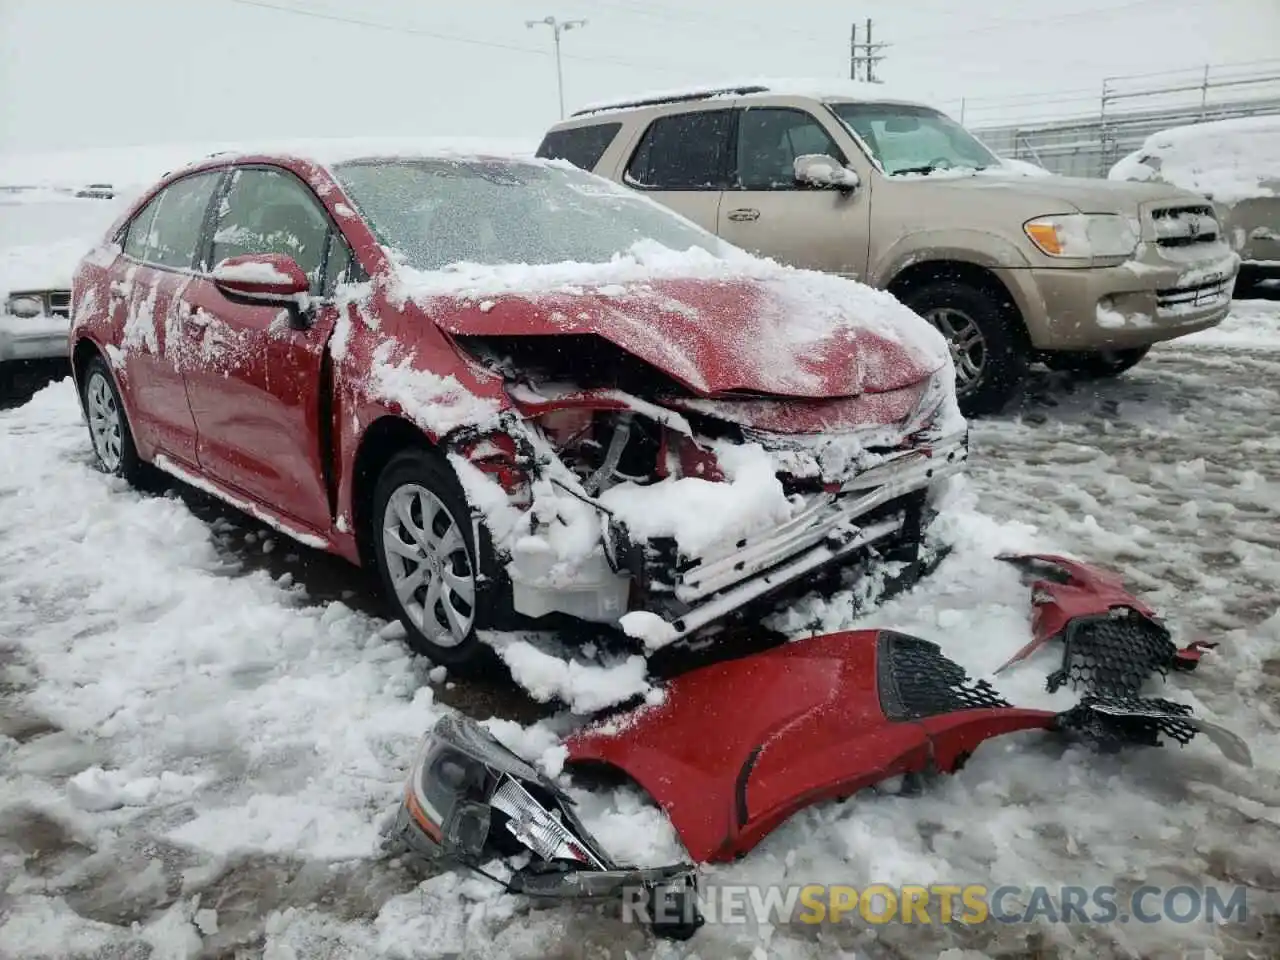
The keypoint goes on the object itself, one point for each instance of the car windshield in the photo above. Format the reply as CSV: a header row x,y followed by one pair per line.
x,y
912,139
437,212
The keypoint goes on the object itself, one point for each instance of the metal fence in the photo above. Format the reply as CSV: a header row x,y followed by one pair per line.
x,y
1127,110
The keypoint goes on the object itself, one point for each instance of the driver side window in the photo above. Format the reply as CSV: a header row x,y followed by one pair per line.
x,y
268,211
770,139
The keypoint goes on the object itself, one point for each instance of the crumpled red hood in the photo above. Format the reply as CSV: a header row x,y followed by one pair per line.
x,y
811,337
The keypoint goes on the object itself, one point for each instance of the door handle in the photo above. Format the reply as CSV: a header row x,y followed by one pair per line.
x,y
744,214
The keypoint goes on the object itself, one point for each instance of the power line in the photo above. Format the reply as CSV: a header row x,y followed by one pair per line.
x,y
447,37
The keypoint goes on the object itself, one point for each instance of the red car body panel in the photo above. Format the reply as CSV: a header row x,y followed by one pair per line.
x,y
1068,589
740,746
712,337
268,416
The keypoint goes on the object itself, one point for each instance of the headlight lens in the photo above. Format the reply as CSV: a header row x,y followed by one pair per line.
x,y
24,306
1084,235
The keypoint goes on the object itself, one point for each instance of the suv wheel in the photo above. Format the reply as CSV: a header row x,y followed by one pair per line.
x,y
990,362
1095,365
427,559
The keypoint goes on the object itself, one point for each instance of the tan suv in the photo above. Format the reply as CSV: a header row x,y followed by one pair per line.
x,y
1082,274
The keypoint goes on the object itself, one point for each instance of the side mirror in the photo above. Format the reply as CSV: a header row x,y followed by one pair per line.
x,y
262,278
821,170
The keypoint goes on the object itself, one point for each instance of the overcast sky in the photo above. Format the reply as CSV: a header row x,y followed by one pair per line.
x,y
120,72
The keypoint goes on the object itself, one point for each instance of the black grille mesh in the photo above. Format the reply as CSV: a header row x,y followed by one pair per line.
x,y
917,681
1113,722
1113,655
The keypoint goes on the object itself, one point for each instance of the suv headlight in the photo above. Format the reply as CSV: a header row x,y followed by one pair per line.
x,y
24,306
1084,235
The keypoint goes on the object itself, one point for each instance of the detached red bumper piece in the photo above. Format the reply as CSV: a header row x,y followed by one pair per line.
x,y
1112,641
738,747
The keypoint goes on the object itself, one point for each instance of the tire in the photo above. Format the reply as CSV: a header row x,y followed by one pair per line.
x,y
437,563
109,429
986,341
1095,365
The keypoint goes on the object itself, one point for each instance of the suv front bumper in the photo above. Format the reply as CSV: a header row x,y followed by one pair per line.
x,y
36,338
1134,304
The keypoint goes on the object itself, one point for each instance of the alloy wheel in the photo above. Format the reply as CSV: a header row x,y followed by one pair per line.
x,y
967,345
105,424
429,565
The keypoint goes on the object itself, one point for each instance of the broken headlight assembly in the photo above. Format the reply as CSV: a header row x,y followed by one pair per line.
x,y
470,801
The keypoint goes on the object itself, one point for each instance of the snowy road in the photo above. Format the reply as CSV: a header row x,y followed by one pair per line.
x,y
201,726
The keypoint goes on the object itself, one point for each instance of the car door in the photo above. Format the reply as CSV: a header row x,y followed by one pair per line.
x,y
681,161
766,211
255,381
147,302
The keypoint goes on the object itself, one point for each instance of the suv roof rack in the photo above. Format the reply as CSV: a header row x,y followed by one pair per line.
x,y
685,97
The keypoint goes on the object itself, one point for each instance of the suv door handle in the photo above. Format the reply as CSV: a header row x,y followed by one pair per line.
x,y
744,214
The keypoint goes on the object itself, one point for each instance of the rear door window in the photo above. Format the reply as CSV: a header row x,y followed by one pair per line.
x,y
684,151
581,146
179,221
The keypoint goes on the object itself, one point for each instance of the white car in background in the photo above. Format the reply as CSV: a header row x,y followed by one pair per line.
x,y
1235,164
44,231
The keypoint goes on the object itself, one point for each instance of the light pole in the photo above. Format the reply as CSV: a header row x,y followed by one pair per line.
x,y
557,27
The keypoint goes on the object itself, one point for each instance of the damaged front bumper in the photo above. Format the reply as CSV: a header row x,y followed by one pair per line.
x,y
880,506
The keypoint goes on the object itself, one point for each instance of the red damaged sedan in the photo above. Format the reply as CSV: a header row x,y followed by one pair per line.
x,y
523,394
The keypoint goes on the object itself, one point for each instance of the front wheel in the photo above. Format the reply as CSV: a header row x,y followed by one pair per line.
x,y
1095,365
427,558
983,336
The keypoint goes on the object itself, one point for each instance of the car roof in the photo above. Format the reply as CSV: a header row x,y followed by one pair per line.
x,y
826,90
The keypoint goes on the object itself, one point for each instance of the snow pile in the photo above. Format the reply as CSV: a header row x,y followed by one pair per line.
x,y
699,514
1225,160
252,271
151,661
1251,325
1023,168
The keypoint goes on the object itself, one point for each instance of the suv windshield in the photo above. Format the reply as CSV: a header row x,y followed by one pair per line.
x,y
439,212
912,139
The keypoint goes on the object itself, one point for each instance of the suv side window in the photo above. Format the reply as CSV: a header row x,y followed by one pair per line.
x,y
581,146
770,139
684,151
270,211
179,220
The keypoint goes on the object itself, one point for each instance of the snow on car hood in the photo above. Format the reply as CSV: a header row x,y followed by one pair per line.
x,y
715,324
38,267
1226,160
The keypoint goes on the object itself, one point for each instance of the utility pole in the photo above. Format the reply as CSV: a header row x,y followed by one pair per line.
x,y
864,56
557,27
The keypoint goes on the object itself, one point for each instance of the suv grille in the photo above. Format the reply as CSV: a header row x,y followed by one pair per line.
x,y
59,303
1185,226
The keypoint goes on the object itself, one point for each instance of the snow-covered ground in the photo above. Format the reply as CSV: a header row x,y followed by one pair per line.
x,y
197,744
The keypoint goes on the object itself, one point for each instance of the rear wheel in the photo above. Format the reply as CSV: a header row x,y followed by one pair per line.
x,y
427,558
113,445
984,338
1095,365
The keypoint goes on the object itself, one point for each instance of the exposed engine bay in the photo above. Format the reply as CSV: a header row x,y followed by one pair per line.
x,y
734,749
610,481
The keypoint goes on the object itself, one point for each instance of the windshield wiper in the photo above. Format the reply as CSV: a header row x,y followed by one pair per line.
x,y
927,168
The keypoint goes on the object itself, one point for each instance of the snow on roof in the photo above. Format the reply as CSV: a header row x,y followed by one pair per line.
x,y
818,88
1228,160
136,168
